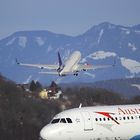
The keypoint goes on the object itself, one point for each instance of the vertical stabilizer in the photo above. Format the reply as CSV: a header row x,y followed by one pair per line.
x,y
59,60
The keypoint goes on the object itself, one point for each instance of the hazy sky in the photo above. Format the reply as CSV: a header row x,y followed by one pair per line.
x,y
71,17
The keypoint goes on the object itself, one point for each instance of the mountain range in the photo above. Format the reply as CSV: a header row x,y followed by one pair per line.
x,y
100,45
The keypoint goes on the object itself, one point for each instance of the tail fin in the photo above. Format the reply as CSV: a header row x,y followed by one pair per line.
x,y
60,61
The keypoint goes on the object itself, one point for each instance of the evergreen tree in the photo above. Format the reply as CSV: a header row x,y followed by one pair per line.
x,y
33,86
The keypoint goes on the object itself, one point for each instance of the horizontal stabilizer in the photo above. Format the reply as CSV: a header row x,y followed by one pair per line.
x,y
49,72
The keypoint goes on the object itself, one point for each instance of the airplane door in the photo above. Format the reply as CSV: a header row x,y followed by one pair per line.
x,y
87,121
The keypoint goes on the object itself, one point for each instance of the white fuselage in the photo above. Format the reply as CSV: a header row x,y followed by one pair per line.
x,y
71,64
95,123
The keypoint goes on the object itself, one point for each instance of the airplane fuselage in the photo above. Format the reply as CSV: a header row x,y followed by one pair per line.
x,y
95,123
71,64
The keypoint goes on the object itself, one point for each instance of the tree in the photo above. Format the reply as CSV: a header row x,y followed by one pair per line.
x,y
53,85
38,85
33,86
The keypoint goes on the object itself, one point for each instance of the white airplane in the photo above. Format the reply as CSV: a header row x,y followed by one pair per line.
x,y
120,122
71,66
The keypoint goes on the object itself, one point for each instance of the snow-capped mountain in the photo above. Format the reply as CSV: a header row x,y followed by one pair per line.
x,y
102,44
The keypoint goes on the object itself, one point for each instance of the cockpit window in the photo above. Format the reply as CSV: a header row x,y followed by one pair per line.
x,y
62,120
69,120
55,121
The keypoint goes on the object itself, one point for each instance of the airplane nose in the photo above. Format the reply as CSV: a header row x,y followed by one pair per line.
x,y
44,133
51,132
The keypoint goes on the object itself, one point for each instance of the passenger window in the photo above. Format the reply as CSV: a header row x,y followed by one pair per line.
x,y
55,121
69,120
62,120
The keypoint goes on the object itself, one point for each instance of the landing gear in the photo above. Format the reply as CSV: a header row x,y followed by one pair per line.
x,y
76,74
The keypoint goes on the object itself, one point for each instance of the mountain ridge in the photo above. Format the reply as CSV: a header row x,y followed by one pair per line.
x,y
101,44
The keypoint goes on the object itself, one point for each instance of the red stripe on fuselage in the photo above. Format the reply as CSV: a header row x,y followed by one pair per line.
x,y
107,114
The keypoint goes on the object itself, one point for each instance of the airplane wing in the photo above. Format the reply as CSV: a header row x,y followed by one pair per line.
x,y
41,66
92,67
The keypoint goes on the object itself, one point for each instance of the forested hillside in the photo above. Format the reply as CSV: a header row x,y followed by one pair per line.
x,y
23,114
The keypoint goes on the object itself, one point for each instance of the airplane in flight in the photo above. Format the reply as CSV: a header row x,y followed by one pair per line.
x,y
119,122
71,66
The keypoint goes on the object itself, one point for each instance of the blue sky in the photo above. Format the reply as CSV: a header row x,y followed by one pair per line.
x,y
71,17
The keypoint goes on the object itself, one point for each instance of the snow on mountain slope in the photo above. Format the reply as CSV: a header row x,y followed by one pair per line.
x,y
100,35
40,41
132,46
102,55
22,41
100,45
136,85
132,65
125,30
10,42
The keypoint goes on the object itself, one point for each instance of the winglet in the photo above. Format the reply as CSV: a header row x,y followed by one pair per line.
x,y
17,61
